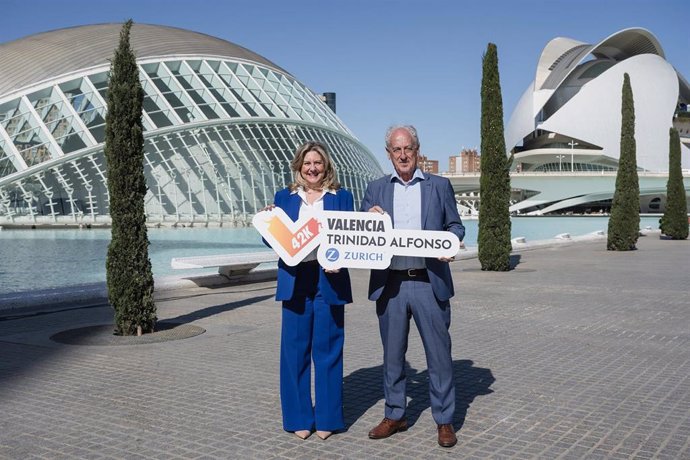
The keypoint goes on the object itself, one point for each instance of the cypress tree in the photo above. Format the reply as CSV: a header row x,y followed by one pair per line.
x,y
494,183
128,268
674,222
624,223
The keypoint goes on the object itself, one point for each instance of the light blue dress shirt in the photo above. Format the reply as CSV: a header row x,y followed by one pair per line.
x,y
407,214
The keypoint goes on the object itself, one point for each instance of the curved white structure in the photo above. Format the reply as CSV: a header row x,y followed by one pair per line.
x,y
221,126
569,118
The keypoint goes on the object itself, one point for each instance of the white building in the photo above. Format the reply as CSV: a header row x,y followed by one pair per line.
x,y
569,118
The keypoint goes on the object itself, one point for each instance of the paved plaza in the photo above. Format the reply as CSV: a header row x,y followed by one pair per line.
x,y
576,353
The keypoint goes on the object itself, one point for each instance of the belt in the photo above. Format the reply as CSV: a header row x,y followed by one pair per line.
x,y
413,274
310,262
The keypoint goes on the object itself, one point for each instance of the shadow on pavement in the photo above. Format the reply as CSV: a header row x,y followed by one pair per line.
x,y
515,261
217,309
359,394
17,355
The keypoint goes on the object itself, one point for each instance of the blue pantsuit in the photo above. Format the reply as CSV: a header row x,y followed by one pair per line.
x,y
312,330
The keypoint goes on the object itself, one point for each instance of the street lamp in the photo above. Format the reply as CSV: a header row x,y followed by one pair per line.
x,y
560,162
572,145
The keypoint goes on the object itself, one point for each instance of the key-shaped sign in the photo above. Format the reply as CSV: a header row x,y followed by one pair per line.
x,y
349,239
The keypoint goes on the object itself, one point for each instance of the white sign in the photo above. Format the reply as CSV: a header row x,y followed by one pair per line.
x,y
349,239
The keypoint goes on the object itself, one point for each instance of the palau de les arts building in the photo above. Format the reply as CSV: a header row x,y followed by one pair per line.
x,y
221,126
565,129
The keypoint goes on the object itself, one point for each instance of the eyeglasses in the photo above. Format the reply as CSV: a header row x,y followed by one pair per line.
x,y
408,149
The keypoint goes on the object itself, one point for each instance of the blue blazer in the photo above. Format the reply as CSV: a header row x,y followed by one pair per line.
x,y
439,212
335,287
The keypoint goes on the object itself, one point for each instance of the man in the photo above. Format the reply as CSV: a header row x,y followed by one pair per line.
x,y
414,286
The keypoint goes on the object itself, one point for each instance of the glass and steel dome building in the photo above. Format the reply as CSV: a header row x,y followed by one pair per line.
x,y
221,126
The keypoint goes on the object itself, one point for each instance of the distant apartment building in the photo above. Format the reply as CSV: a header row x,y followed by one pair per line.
x,y
453,164
467,162
427,165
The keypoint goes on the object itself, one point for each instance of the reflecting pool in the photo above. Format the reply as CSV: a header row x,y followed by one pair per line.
x,y
43,258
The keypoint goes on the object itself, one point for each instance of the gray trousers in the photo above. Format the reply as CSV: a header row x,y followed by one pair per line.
x,y
400,301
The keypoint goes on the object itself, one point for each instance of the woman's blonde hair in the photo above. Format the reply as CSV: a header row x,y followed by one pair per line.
x,y
330,179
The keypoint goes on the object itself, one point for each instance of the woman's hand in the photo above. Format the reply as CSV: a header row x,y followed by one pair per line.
x,y
268,208
327,270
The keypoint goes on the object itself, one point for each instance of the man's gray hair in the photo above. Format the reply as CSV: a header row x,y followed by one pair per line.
x,y
412,131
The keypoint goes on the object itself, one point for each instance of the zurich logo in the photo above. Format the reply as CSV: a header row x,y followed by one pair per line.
x,y
332,254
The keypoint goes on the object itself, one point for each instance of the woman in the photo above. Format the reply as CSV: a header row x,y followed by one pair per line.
x,y
313,305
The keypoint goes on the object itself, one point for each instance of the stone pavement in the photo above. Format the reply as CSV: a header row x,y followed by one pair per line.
x,y
576,353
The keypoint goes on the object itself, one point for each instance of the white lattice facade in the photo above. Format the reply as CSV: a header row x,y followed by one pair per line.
x,y
221,126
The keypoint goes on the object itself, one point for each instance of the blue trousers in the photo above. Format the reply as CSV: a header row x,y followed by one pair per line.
x,y
400,301
311,330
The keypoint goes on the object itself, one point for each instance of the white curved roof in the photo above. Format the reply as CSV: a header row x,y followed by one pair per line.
x,y
553,51
48,55
619,46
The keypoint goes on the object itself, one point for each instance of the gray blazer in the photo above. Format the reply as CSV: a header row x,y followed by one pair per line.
x,y
439,212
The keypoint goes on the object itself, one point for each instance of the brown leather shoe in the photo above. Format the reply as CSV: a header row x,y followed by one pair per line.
x,y
446,435
388,427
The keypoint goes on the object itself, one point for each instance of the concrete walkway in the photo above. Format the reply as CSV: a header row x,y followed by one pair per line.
x,y
576,353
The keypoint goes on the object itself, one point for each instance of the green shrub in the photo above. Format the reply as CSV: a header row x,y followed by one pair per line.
x,y
128,268
674,222
624,223
494,184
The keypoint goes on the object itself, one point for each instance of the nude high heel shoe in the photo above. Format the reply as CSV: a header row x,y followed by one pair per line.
x,y
324,434
303,434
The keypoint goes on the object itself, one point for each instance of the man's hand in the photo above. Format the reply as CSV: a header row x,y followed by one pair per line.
x,y
378,209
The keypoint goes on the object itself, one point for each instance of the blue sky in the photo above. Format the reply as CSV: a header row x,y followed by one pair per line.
x,y
389,61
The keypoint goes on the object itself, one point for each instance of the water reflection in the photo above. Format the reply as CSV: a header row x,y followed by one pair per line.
x,y
40,259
